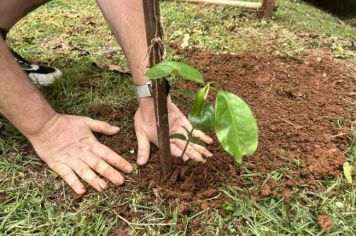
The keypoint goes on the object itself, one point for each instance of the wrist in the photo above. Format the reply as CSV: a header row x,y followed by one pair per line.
x,y
148,102
44,126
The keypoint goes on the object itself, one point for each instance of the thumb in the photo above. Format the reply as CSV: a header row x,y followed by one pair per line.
x,y
143,152
101,126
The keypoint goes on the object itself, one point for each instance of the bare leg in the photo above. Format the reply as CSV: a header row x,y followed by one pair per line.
x,y
11,11
126,20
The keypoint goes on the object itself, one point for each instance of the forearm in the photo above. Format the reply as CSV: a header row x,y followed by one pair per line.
x,y
20,101
126,20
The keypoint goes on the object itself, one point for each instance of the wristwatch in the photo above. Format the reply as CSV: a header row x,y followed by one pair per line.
x,y
145,90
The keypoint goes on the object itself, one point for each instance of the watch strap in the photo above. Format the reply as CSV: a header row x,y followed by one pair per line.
x,y
146,89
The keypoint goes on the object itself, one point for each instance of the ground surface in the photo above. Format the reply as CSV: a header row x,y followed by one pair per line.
x,y
289,70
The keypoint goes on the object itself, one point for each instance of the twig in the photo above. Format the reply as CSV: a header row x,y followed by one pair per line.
x,y
131,224
242,4
288,122
286,54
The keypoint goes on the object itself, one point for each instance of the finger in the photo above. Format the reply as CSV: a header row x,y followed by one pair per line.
x,y
101,126
190,151
112,157
202,136
70,178
88,175
198,133
143,152
104,169
202,150
177,152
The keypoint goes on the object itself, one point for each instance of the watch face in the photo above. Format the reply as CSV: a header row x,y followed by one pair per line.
x,y
149,85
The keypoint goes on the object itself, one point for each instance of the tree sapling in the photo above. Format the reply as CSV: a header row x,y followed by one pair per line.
x,y
231,117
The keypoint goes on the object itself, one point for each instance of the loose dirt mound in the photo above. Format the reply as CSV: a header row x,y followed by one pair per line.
x,y
302,112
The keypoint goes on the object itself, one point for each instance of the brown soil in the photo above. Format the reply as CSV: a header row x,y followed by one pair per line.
x,y
325,222
302,112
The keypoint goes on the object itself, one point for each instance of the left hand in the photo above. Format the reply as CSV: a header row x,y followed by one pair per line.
x,y
146,132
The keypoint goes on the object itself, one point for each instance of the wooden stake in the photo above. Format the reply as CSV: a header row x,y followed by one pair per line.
x,y
242,4
155,53
267,9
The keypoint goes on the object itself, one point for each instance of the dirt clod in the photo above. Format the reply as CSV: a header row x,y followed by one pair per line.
x,y
325,222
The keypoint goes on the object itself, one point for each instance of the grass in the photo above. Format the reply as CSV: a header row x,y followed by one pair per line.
x,y
34,201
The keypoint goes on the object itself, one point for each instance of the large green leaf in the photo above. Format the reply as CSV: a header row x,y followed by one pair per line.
x,y
235,125
183,70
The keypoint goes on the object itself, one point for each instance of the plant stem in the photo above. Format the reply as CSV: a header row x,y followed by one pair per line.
x,y
188,141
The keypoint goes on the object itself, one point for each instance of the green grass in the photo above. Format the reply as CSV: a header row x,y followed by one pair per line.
x,y
35,201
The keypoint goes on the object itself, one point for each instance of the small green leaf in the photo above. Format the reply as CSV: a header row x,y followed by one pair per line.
x,y
178,136
348,171
196,140
180,69
186,71
235,125
228,207
199,100
187,93
205,120
159,71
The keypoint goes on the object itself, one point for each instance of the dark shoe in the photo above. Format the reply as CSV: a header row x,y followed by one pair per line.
x,y
40,75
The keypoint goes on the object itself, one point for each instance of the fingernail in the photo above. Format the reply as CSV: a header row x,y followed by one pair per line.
x,y
120,181
103,185
117,129
210,154
140,160
128,169
81,191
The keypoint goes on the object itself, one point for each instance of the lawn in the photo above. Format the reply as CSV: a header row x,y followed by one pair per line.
x,y
64,34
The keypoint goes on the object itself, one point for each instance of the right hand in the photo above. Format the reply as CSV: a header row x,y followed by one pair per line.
x,y
66,143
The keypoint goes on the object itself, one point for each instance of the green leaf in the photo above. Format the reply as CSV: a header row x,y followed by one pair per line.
x,y
159,71
228,207
199,100
235,125
178,136
205,120
187,93
180,69
196,140
202,114
348,171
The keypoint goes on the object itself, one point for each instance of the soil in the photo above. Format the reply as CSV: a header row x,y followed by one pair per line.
x,y
301,106
302,110
325,222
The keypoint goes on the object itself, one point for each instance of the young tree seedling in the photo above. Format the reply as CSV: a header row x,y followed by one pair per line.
x,y
232,119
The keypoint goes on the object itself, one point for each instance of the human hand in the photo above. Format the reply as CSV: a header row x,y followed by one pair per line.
x,y
146,132
68,146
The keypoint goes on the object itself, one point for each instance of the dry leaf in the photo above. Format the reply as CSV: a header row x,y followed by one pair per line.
x,y
114,68
185,42
348,171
